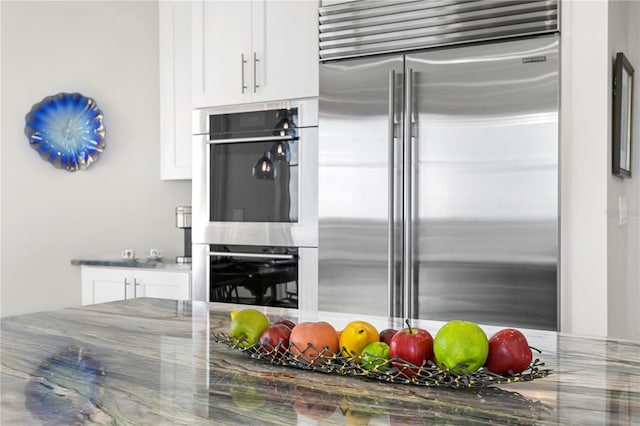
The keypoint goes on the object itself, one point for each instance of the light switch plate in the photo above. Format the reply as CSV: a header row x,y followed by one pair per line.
x,y
623,215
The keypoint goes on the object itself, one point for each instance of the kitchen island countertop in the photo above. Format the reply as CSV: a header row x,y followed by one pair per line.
x,y
152,361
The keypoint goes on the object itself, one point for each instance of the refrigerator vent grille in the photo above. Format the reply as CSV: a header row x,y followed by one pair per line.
x,y
367,27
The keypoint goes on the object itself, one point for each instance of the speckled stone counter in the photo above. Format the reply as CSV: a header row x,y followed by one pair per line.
x,y
152,362
133,263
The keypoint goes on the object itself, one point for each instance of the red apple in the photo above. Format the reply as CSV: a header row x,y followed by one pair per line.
x,y
508,351
413,345
286,322
387,334
276,335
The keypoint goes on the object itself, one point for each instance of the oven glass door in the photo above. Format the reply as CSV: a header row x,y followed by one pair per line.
x,y
254,166
254,181
254,275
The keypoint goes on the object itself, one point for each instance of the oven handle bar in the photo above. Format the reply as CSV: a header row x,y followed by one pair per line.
x,y
257,139
258,255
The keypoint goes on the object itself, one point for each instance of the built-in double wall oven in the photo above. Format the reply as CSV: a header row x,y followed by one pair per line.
x,y
255,207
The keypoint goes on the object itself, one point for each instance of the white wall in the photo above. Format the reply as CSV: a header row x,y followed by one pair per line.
x,y
584,169
623,243
109,51
600,289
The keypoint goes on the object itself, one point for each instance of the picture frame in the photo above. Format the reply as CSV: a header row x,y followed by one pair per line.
x,y
622,116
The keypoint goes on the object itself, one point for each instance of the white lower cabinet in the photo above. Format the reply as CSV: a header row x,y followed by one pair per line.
x,y
102,284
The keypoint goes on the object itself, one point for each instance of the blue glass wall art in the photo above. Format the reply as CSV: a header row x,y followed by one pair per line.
x,y
67,130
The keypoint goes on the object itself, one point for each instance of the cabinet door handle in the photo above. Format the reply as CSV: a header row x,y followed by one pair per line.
x,y
135,288
255,62
242,62
126,284
408,196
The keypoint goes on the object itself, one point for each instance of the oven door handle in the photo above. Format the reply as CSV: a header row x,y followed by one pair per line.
x,y
255,255
257,139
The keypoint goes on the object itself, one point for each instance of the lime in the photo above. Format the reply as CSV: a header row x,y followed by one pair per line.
x,y
461,346
375,356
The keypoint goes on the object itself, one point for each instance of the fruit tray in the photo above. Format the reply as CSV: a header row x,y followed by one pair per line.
x,y
391,371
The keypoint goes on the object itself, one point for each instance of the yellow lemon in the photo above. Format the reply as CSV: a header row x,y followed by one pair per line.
x,y
233,314
355,336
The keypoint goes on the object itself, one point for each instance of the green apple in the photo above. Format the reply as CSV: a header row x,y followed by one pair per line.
x,y
461,346
247,326
375,356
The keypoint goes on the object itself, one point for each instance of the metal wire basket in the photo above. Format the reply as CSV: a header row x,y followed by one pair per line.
x,y
395,370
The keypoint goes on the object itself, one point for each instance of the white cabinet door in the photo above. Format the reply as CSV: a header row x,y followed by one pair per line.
x,y
221,49
286,40
163,284
253,51
175,89
102,284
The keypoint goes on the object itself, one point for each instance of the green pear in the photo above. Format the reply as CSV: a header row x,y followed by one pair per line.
x,y
245,393
247,326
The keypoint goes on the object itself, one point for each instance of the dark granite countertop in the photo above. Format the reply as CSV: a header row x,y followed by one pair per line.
x,y
133,263
152,361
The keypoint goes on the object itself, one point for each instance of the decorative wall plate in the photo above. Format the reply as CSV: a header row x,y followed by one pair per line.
x,y
66,129
67,388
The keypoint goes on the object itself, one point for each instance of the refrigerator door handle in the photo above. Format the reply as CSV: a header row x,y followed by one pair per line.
x,y
407,296
391,308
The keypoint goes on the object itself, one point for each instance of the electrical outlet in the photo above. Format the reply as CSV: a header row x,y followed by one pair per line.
x,y
128,254
155,253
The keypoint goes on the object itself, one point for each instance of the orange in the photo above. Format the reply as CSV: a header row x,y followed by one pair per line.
x,y
314,342
355,336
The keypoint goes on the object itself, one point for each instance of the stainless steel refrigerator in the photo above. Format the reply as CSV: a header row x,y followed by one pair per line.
x,y
438,183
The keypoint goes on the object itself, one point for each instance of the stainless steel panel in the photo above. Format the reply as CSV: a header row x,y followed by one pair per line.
x,y
438,40
372,27
200,272
423,14
354,166
401,31
486,171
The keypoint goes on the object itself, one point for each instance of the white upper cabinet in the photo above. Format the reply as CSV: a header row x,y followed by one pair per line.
x,y
289,39
175,89
253,51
